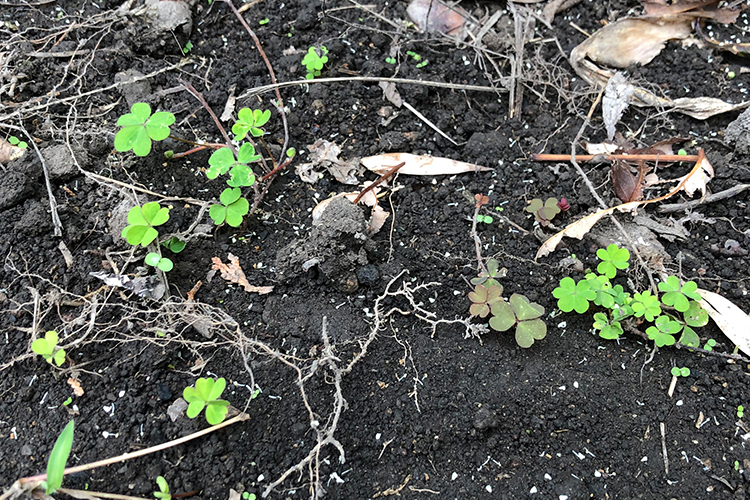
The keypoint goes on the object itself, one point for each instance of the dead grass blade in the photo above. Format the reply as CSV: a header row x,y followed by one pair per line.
x,y
731,319
418,164
233,273
695,180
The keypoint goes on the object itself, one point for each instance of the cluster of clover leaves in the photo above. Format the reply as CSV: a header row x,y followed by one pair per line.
x,y
676,312
137,131
487,300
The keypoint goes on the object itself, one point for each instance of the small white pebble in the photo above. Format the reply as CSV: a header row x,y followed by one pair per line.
x,y
488,488
548,477
597,473
121,394
562,387
261,478
679,403
533,490
377,436
454,476
575,384
562,324
644,459
563,497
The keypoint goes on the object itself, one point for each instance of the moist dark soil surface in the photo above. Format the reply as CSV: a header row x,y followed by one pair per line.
x,y
373,319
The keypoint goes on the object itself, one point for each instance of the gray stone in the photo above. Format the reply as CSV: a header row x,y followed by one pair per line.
x,y
60,162
133,91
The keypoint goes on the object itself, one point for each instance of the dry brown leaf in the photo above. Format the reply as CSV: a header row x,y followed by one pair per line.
x,y
579,228
705,9
627,186
391,93
234,274
418,164
9,152
325,154
731,319
75,384
434,16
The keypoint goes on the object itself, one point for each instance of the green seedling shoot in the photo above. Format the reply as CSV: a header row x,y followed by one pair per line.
x,y
17,142
740,411
205,394
545,211
142,221
155,260
250,121
522,314
612,259
677,295
68,401
263,22
680,372
232,209
222,161
314,61
57,459
572,296
47,348
163,493
484,218
488,278
248,496
140,127
710,344
174,245
390,60
187,48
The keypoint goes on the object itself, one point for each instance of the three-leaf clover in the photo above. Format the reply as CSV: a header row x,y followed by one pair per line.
x,y
488,278
222,161
601,286
159,262
175,245
141,223
545,211
607,330
47,348
57,459
646,305
163,493
613,258
232,209
205,394
140,127
663,330
250,120
521,313
680,372
573,296
314,61
676,295
482,299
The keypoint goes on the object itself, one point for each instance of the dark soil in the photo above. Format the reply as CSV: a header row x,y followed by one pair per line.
x,y
428,412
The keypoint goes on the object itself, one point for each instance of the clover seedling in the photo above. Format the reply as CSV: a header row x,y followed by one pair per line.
x,y
522,314
314,61
545,211
223,161
248,496
740,411
680,372
47,348
607,329
232,209
57,459
612,259
17,142
663,330
205,395
140,127
141,223
483,298
573,296
710,344
676,295
488,278
175,245
250,121
646,305
159,262
484,218
163,493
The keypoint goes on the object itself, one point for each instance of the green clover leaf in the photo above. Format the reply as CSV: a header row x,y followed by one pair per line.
x,y
522,313
249,120
613,258
482,299
646,305
140,127
141,222
573,296
232,208
677,296
222,161
205,394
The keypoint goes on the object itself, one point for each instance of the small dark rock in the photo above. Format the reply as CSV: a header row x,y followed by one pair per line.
x,y
485,418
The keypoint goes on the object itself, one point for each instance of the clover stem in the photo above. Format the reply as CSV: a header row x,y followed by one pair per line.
x,y
477,241
205,105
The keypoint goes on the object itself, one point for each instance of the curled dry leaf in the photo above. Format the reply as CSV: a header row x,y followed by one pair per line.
x,y
434,16
731,319
705,9
75,384
700,174
377,217
233,273
418,164
326,154
627,186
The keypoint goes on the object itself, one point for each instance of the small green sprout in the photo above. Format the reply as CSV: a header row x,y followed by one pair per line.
x,y
646,305
188,47
17,142
222,161
174,245
710,344
314,61
47,348
140,127
422,64
205,394
522,314
676,295
414,55
232,209
163,493
141,223
613,258
488,278
57,459
68,401
680,372
573,296
263,22
250,120
248,496
155,260
736,465
390,60
731,75
740,411
484,218
681,152
545,211
483,297
609,330
291,152
663,330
